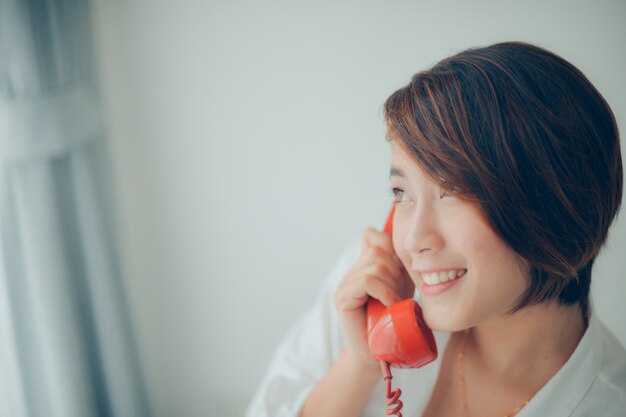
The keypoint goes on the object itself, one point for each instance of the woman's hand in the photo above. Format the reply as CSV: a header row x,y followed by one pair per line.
x,y
377,273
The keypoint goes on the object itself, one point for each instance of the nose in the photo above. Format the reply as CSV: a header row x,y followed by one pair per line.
x,y
423,234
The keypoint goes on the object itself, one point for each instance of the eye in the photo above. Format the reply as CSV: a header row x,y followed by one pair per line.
x,y
398,193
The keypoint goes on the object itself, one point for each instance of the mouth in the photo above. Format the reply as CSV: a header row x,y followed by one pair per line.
x,y
435,282
438,277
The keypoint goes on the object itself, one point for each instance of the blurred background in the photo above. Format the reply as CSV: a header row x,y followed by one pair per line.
x,y
246,152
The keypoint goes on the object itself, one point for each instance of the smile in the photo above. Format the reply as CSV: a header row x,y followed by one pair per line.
x,y
439,281
434,278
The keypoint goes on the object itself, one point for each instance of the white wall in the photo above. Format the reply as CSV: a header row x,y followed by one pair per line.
x,y
248,148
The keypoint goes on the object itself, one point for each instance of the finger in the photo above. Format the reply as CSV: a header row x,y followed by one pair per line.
x,y
353,292
377,288
376,256
399,280
372,237
387,266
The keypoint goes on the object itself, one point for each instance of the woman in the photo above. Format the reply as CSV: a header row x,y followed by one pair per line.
x,y
507,174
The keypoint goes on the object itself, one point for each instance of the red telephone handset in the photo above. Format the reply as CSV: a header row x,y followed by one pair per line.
x,y
398,335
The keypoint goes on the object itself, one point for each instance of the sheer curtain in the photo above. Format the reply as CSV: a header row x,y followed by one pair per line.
x,y
66,341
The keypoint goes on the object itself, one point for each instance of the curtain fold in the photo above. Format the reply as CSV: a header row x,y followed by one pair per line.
x,y
66,343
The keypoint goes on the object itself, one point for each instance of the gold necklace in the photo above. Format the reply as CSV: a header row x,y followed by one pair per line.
x,y
463,405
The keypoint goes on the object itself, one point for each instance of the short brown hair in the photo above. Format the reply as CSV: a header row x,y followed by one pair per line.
x,y
523,134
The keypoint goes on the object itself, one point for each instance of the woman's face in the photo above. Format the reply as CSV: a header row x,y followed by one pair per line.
x,y
464,272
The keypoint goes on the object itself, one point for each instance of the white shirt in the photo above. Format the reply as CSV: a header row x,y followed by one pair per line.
x,y
591,383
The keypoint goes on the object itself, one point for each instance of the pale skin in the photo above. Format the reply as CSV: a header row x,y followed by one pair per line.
x,y
508,358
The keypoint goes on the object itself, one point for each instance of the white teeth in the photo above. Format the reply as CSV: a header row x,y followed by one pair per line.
x,y
434,278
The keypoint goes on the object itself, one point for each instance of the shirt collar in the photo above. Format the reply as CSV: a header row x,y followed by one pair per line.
x,y
561,395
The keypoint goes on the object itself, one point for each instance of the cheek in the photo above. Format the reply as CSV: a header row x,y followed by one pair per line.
x,y
480,243
489,256
475,248
475,245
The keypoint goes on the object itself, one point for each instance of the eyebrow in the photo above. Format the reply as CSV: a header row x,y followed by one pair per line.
x,y
395,171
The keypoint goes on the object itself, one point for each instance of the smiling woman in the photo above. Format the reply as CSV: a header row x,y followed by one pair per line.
x,y
506,173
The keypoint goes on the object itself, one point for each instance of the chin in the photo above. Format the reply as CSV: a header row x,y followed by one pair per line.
x,y
440,319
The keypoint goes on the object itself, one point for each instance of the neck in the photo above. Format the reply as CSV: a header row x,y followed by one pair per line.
x,y
535,342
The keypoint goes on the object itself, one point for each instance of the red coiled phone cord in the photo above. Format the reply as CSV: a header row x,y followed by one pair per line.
x,y
393,397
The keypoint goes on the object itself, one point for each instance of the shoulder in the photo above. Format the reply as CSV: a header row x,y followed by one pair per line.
x,y
607,394
612,375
